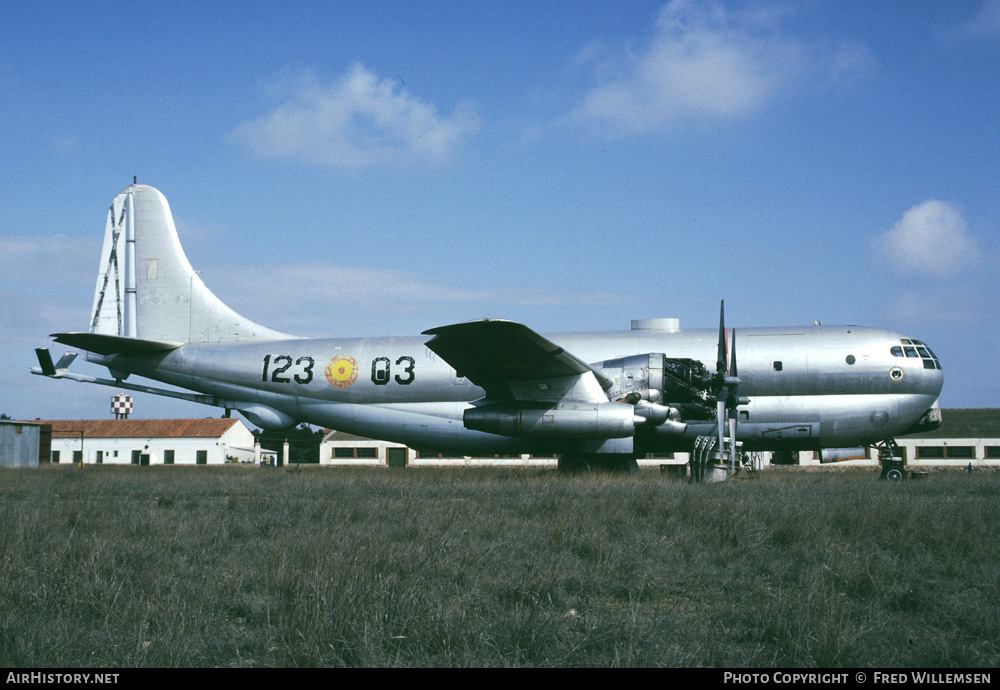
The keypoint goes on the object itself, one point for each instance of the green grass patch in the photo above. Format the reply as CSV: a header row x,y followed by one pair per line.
x,y
241,566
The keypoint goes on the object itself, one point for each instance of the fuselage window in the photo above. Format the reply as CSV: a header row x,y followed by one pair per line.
x,y
896,351
850,359
777,366
910,351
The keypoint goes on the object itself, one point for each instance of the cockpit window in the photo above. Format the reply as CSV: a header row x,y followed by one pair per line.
x,y
915,349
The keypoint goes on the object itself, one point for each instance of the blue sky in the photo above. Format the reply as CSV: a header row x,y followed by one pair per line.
x,y
381,168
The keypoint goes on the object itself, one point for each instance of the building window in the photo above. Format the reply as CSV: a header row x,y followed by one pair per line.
x,y
366,453
77,457
136,456
55,457
100,457
946,452
201,457
168,457
397,457
993,452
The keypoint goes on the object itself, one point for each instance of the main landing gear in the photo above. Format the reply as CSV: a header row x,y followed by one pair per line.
x,y
582,463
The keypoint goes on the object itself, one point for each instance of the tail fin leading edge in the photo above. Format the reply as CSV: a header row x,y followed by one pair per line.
x,y
146,287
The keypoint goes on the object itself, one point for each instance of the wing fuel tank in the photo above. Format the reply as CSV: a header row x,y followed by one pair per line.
x,y
537,420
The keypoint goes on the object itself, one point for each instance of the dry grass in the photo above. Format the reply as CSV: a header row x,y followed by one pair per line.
x,y
241,566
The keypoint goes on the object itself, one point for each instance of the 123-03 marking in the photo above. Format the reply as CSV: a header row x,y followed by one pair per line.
x,y
285,369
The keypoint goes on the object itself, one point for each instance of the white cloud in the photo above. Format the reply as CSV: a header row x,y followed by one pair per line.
x,y
49,262
931,238
956,306
985,24
705,60
319,298
357,122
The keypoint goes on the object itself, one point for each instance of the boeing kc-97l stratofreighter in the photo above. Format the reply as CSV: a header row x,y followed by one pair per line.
x,y
495,386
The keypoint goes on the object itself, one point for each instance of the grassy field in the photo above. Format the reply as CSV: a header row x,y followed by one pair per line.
x,y
240,566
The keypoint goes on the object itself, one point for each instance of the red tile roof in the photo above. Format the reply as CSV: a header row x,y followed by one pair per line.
x,y
140,428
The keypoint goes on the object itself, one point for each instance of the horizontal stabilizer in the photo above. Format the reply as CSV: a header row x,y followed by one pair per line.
x,y
45,361
113,344
65,361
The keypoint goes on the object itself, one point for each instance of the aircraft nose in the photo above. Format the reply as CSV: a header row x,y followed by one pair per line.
x,y
913,353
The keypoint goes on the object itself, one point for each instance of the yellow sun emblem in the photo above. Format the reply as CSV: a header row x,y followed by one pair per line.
x,y
342,371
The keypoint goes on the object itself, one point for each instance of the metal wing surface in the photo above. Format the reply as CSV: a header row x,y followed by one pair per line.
x,y
510,361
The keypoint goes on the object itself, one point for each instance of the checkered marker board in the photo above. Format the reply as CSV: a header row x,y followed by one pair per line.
x,y
121,404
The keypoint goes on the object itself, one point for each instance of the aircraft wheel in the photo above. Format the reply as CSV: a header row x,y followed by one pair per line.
x,y
614,464
630,466
573,466
894,475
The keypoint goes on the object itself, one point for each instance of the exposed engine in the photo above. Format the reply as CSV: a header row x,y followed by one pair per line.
x,y
664,391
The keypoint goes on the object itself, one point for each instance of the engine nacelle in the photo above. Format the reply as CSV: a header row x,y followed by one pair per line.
x,y
683,385
545,420
267,418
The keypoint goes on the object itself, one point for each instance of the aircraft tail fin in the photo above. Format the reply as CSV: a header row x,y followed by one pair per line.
x,y
146,287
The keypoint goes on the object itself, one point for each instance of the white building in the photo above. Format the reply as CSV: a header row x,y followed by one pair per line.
x,y
965,436
339,448
151,441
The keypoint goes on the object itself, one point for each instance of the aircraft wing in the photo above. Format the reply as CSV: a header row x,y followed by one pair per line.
x,y
509,360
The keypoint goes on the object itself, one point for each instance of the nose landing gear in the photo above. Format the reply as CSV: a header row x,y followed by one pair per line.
x,y
890,459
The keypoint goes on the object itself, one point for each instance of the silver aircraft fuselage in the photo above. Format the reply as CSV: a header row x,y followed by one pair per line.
x,y
492,386
809,387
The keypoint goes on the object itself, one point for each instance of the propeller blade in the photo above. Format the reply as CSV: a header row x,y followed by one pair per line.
x,y
732,354
720,363
721,390
733,414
